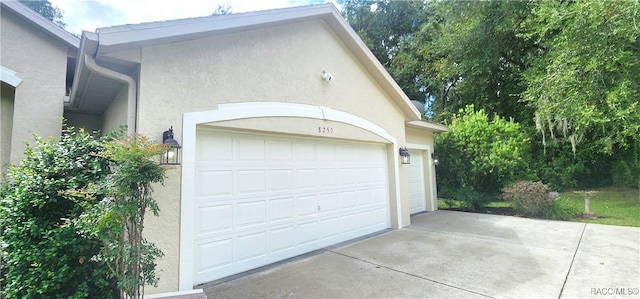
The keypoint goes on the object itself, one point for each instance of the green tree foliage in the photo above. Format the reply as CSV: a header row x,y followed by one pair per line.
x,y
387,27
567,70
45,258
476,55
479,155
585,82
46,9
117,219
222,9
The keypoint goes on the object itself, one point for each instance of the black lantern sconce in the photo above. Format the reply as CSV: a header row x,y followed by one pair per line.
x,y
405,158
434,157
171,156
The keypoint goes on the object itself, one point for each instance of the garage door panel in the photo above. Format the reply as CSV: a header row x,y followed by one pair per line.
x,y
250,214
214,255
280,151
281,239
250,246
214,219
215,183
281,180
329,203
281,209
251,181
328,177
250,150
214,148
304,152
307,233
306,178
275,197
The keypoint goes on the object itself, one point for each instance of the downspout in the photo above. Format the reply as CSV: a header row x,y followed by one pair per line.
x,y
131,89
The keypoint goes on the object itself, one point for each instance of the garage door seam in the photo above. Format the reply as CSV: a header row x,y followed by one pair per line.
x,y
572,260
410,274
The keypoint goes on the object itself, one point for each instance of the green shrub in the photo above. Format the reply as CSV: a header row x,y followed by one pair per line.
x,y
44,257
471,200
479,155
529,198
562,209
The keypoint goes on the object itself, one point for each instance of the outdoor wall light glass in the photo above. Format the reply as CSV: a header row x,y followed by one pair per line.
x,y
405,158
434,157
172,154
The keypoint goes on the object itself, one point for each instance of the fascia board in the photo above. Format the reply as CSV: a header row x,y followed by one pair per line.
x,y
427,125
373,66
120,38
88,45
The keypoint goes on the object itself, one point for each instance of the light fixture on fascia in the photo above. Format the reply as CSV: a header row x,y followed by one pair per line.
x,y
326,76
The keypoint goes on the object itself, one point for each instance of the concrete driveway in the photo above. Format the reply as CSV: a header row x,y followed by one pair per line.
x,y
460,255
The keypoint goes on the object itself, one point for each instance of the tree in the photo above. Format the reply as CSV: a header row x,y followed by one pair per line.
x,y
476,56
46,9
386,27
480,155
46,258
222,9
585,80
117,218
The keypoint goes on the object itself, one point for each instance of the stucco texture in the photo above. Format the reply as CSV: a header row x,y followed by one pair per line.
x,y
274,64
41,63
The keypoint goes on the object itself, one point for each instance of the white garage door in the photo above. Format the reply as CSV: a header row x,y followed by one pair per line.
x,y
415,173
263,198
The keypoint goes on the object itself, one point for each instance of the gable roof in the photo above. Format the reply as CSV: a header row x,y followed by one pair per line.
x,y
41,23
118,46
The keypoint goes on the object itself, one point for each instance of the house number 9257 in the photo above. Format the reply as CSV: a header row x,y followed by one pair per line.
x,y
325,130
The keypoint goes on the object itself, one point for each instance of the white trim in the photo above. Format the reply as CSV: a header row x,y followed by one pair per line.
x,y
252,110
8,76
417,146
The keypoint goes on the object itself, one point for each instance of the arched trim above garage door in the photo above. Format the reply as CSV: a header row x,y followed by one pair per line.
x,y
245,110
8,76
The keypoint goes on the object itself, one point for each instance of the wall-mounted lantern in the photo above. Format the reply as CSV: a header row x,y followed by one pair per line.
x,y
171,156
405,158
434,157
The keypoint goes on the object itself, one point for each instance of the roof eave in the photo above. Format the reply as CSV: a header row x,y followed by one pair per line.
x,y
427,125
127,37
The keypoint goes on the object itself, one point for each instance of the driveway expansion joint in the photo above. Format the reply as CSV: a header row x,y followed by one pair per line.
x,y
573,259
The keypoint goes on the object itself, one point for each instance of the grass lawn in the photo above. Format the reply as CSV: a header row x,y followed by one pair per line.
x,y
613,206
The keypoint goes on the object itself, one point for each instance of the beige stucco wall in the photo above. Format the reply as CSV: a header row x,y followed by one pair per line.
x,y
41,63
116,114
89,122
277,64
6,125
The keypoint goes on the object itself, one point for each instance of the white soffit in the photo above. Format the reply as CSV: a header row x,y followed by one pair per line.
x,y
427,125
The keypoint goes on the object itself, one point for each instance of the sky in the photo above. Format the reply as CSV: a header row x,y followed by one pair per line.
x,y
88,15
